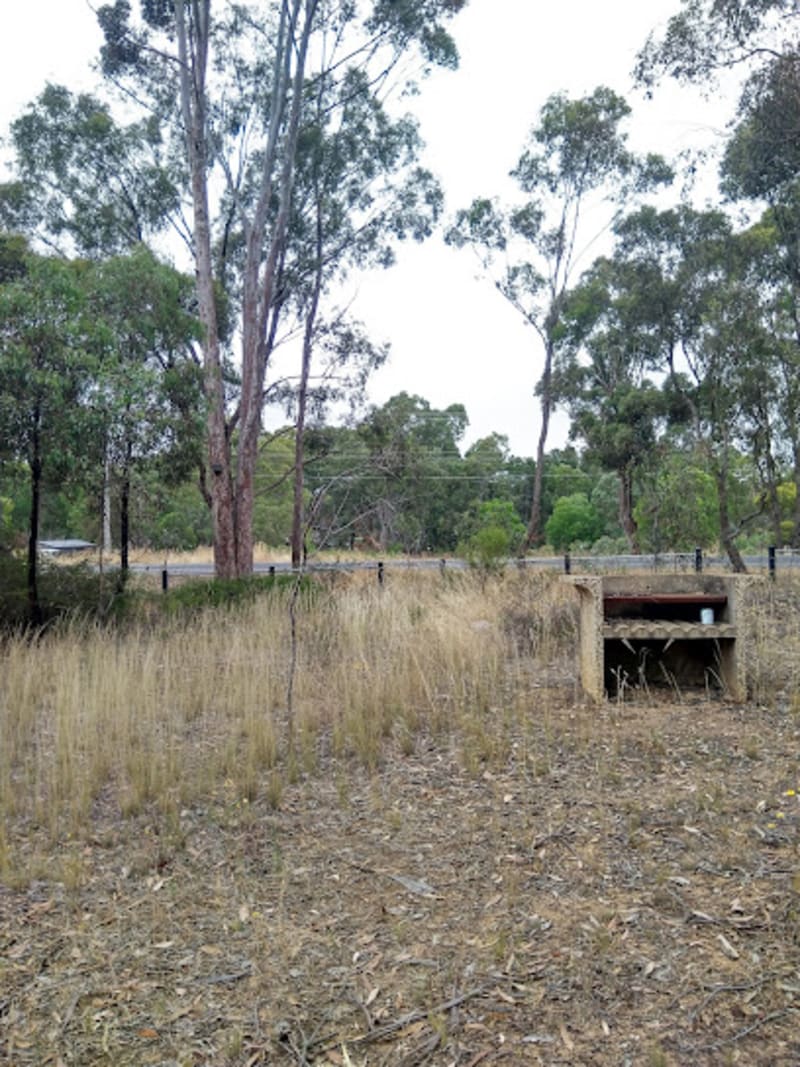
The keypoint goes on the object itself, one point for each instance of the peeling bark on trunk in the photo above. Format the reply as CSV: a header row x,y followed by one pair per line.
x,y
725,527
626,519
796,516
34,607
260,274
298,518
124,519
534,535
107,543
193,63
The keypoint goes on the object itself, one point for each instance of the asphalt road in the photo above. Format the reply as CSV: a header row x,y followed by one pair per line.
x,y
577,564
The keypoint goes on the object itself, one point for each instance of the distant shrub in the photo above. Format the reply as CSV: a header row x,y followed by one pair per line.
x,y
74,591
610,546
496,532
202,593
574,521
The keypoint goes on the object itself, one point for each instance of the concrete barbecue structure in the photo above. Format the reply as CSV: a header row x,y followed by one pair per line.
x,y
685,631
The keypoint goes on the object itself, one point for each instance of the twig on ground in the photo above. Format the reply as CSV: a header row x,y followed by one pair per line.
x,y
715,991
228,979
565,830
422,1052
378,1033
714,1046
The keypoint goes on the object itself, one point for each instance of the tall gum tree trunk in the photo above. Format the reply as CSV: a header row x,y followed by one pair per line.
x,y
626,519
534,533
260,275
298,511
725,529
34,607
107,542
193,106
298,517
124,519
795,539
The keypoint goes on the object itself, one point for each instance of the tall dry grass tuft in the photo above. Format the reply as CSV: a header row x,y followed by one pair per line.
x,y
773,666
157,717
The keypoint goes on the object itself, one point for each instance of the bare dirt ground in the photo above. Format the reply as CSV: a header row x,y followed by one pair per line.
x,y
613,885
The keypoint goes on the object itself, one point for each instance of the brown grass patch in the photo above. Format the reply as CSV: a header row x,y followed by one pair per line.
x,y
458,862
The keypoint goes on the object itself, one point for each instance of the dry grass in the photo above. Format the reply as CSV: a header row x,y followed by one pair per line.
x,y
262,553
441,855
163,714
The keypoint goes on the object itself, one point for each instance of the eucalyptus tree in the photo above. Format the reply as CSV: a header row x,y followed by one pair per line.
x,y
677,508
701,314
245,77
84,182
415,465
706,37
616,409
761,165
575,155
340,483
488,470
148,388
46,374
357,191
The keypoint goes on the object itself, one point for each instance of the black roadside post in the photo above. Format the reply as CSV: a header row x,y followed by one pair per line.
x,y
698,560
272,570
164,579
442,565
771,561
567,564
380,573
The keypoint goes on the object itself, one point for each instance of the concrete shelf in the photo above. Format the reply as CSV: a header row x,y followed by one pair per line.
x,y
647,628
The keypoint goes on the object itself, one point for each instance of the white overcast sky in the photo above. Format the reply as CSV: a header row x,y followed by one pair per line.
x,y
453,338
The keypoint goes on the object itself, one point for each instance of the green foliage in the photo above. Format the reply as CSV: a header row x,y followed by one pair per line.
x,y
488,548
46,371
84,180
6,522
604,496
496,533
182,525
272,511
678,509
67,592
707,36
77,593
606,545
574,521
13,254
577,150
195,596
565,477
414,461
